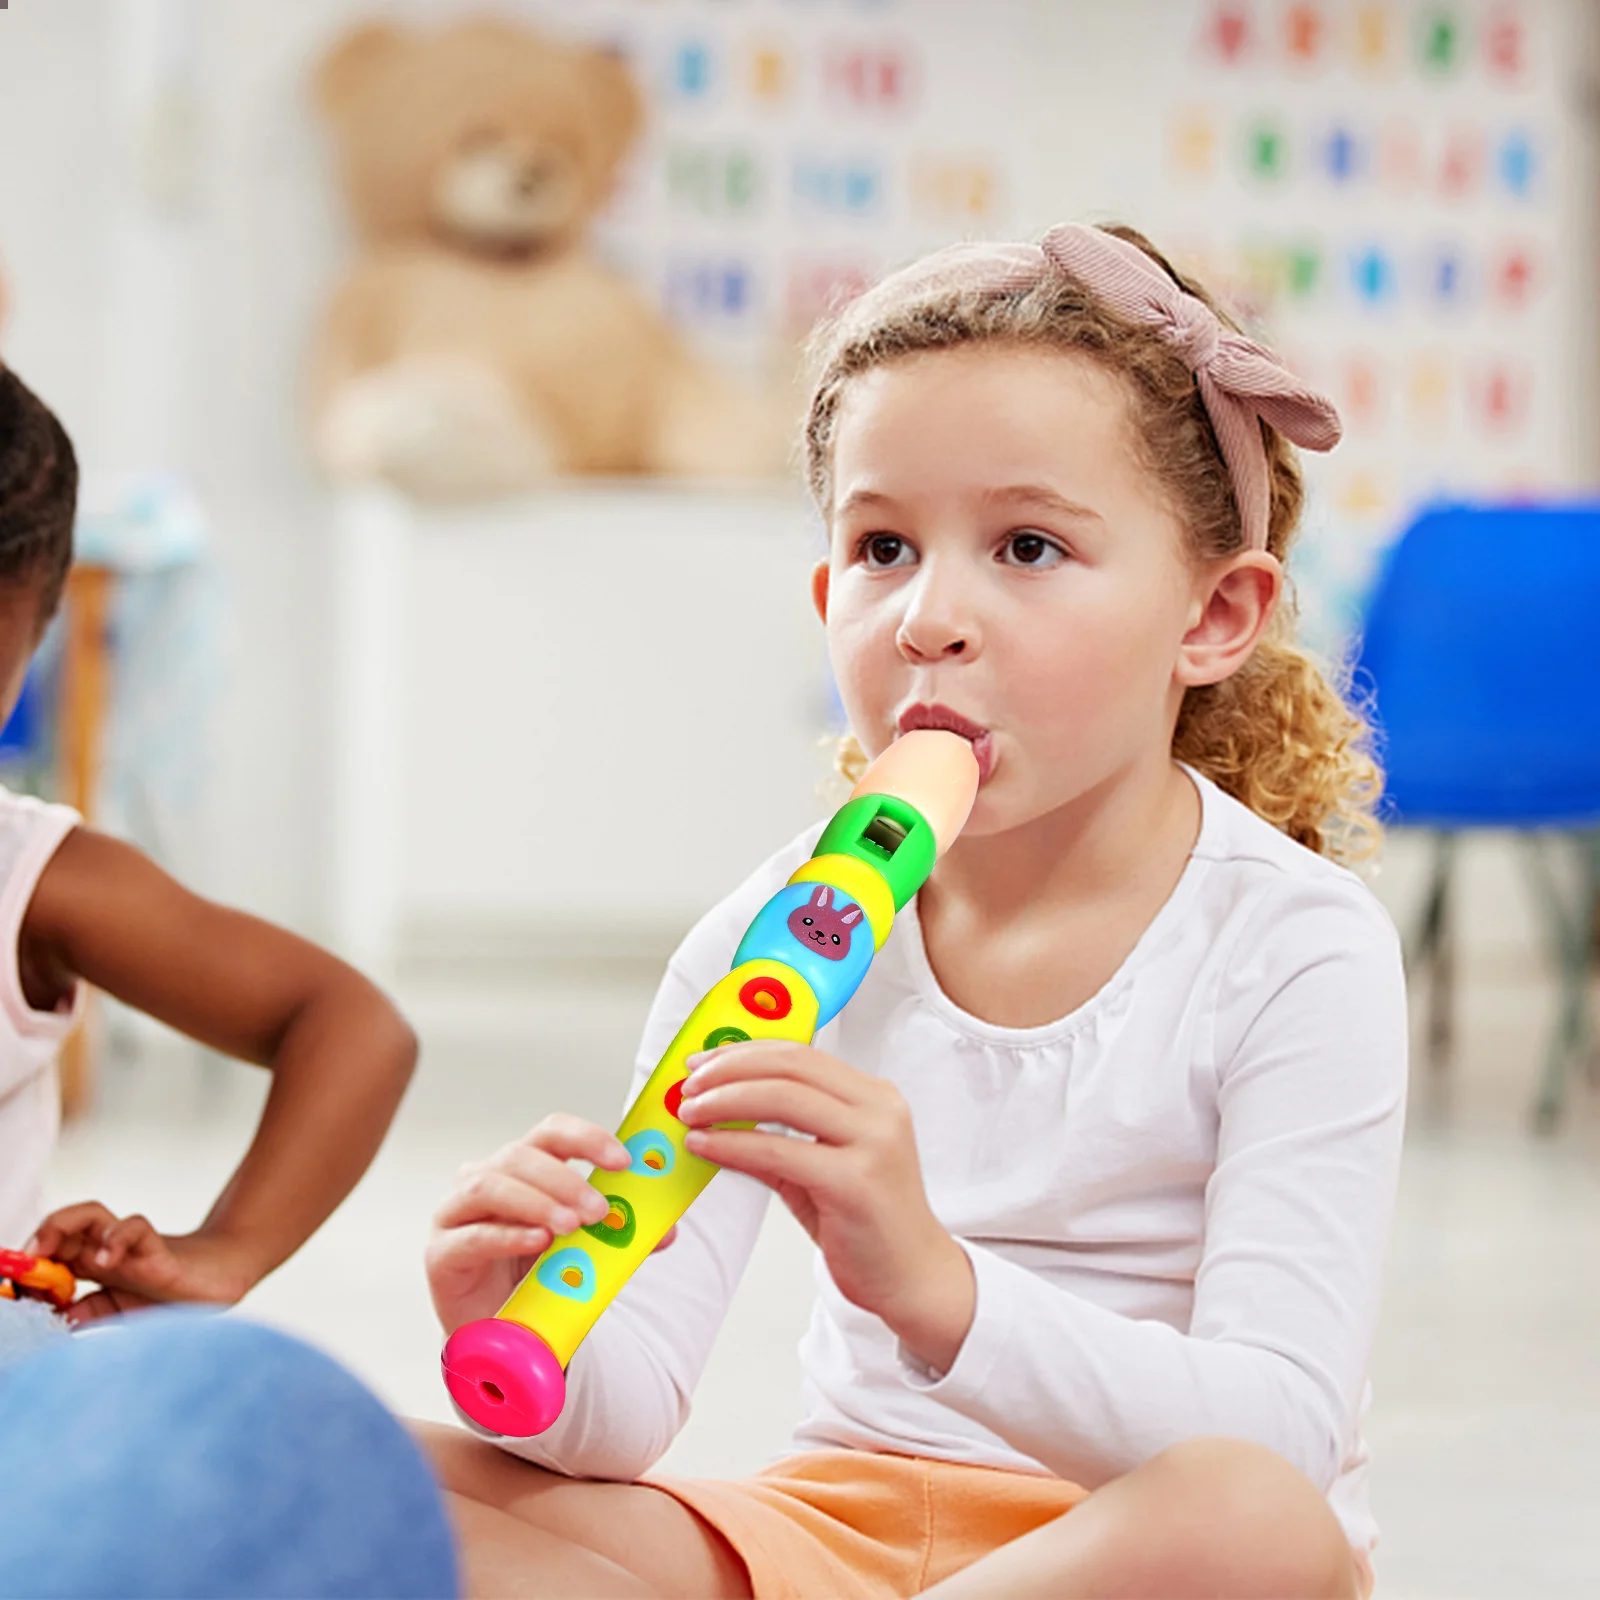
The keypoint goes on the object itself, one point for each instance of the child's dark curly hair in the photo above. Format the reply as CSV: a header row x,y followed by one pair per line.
x,y
38,494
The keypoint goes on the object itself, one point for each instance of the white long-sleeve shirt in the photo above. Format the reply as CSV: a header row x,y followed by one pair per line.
x,y
1175,1199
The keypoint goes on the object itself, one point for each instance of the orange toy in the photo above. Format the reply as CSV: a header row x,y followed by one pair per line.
x,y
36,1278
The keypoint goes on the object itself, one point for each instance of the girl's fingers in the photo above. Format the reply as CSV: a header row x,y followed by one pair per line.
x,y
572,1139
103,1258
771,1158
487,1241
530,1184
667,1238
800,1106
489,1195
61,1228
130,1236
777,1058
104,1303
541,1170
92,1308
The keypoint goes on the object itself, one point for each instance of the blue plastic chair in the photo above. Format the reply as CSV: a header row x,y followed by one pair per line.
x,y
1481,649
19,738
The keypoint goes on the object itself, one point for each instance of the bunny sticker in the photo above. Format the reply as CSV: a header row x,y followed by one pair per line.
x,y
821,926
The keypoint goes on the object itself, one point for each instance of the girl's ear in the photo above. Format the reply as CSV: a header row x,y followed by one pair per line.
x,y
819,589
1234,603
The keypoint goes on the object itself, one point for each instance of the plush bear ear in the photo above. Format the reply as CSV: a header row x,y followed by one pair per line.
x,y
351,62
619,111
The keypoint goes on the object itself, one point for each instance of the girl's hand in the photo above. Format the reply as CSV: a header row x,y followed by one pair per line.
x,y
504,1212
855,1185
136,1266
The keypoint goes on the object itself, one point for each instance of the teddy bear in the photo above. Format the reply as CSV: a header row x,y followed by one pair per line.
x,y
478,346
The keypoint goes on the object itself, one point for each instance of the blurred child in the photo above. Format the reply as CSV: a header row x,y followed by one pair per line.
x,y
1100,1160
77,907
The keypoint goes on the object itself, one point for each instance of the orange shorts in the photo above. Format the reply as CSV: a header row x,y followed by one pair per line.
x,y
858,1525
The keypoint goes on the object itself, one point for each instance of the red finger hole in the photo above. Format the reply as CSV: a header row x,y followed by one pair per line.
x,y
766,997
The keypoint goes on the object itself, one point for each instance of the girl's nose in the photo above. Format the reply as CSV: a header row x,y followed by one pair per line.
x,y
936,627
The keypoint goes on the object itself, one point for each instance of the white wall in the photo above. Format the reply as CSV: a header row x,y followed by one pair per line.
x,y
173,334
270,241
55,183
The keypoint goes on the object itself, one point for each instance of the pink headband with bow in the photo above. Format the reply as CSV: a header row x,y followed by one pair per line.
x,y
1239,380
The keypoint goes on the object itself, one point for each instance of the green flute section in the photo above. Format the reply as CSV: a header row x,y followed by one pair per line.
x,y
888,834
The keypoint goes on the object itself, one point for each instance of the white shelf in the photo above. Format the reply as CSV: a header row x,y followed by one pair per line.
x,y
594,709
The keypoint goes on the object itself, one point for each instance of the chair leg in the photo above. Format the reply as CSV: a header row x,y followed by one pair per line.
x,y
1569,938
1433,948
1589,928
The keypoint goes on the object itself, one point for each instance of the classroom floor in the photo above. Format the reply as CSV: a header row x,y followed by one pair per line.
x,y
1486,1425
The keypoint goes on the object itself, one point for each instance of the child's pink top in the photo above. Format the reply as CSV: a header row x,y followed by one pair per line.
x,y
31,831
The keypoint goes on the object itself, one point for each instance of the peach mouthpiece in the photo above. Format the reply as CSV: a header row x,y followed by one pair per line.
x,y
932,770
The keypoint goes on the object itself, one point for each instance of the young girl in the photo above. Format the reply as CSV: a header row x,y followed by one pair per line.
x,y
77,907
1100,1159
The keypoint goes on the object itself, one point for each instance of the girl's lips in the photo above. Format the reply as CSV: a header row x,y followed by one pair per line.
x,y
983,749
948,721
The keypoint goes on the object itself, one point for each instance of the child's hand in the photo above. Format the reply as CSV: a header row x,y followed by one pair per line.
x,y
136,1266
857,1189
340,1056
504,1212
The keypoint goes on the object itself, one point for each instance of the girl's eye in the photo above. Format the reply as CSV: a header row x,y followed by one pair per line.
x,y
1030,549
881,550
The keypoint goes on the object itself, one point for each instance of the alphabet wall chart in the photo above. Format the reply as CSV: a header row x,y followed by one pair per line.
x,y
1380,185
797,148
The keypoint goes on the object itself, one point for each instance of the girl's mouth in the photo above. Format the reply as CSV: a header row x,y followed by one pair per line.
x,y
942,717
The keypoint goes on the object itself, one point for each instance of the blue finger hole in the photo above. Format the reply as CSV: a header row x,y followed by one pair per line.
x,y
568,1272
652,1152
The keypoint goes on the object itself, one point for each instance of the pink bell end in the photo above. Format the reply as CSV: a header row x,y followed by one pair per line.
x,y
504,1376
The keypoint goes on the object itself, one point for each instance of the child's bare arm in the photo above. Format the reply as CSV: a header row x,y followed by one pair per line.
x,y
339,1052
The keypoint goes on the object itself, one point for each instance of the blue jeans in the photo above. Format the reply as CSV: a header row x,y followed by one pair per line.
x,y
183,1454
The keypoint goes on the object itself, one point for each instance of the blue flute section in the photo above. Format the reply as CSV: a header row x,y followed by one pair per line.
x,y
820,932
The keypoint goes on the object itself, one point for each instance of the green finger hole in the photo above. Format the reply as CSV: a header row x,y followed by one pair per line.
x,y
619,1224
724,1036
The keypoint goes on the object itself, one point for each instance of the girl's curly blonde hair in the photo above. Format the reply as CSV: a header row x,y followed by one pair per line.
x,y
1278,734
